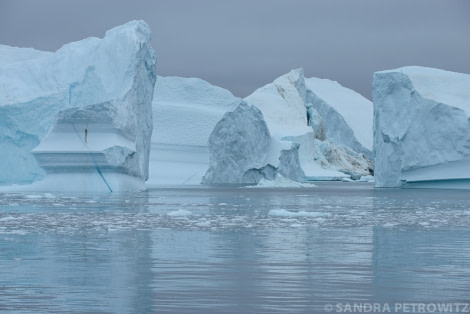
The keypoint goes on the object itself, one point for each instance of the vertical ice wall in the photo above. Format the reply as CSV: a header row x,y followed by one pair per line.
x,y
119,70
421,127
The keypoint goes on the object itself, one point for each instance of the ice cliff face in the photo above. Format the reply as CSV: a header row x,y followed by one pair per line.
x,y
306,134
111,78
185,111
421,127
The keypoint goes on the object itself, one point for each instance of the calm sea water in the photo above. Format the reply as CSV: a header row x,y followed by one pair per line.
x,y
236,250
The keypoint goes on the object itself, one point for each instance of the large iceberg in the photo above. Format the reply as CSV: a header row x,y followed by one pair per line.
x,y
242,150
185,111
308,137
88,105
421,128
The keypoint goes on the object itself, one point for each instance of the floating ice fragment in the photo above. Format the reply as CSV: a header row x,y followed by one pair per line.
x,y
7,218
286,213
282,182
33,196
180,213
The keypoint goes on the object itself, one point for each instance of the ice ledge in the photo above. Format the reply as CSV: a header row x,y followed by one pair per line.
x,y
87,142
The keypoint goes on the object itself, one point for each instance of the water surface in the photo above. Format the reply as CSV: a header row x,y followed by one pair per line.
x,y
233,249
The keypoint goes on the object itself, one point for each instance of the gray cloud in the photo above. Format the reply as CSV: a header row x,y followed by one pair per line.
x,y
244,44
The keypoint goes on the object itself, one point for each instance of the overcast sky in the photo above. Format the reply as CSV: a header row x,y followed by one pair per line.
x,y
244,44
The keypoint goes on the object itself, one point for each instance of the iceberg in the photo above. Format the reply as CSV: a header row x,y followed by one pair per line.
x,y
421,128
238,144
325,119
185,111
293,130
80,114
241,150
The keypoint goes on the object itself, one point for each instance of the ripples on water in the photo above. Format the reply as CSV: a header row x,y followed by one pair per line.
x,y
233,249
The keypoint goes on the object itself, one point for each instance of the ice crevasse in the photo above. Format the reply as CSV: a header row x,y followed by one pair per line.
x,y
83,113
421,128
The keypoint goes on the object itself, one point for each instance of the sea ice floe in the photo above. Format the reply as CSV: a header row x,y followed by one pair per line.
x,y
287,213
180,213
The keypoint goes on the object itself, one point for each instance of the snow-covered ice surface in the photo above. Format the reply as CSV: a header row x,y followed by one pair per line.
x,y
421,130
117,72
237,249
185,111
282,103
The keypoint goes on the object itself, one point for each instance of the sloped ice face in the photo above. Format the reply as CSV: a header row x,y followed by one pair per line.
x,y
234,150
421,128
34,86
347,116
282,103
185,111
